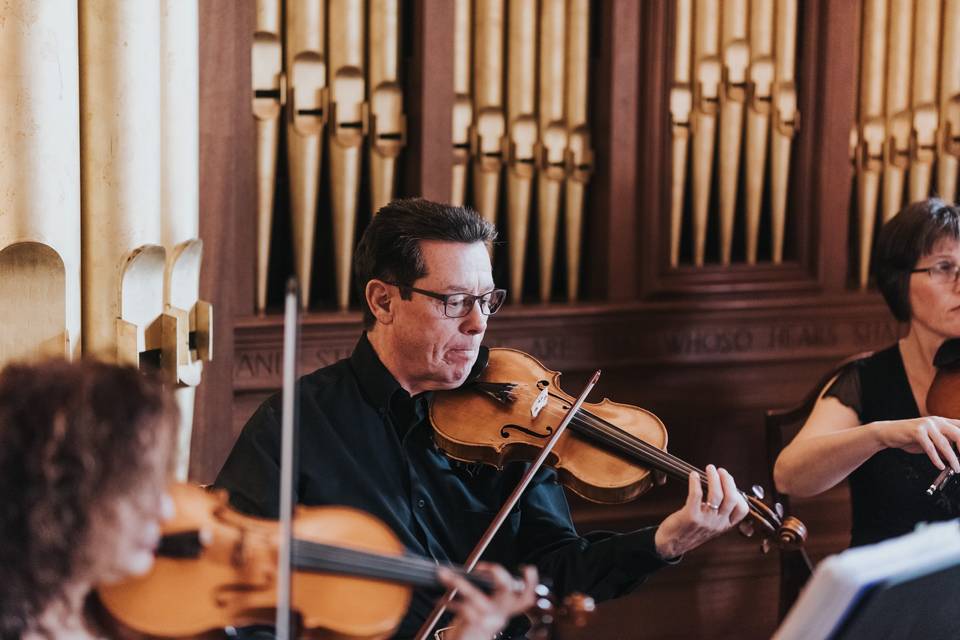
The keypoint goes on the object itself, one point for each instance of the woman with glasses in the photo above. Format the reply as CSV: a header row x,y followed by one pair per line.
x,y
872,424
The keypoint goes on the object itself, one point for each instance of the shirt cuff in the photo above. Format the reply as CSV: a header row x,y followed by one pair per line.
x,y
638,550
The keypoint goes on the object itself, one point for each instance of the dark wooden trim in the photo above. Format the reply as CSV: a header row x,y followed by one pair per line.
x,y
429,102
612,247
226,152
838,25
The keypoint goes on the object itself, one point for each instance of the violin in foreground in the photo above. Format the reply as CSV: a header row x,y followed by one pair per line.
x,y
352,577
608,453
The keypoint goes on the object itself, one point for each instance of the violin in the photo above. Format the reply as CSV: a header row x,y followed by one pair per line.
x,y
216,567
607,454
943,396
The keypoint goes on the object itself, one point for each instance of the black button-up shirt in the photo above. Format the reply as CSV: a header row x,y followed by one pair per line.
x,y
364,442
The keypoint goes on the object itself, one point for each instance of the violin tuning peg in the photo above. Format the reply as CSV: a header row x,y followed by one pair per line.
x,y
757,491
746,528
779,509
765,545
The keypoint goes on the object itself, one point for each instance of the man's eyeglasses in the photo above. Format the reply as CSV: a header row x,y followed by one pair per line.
x,y
941,273
459,305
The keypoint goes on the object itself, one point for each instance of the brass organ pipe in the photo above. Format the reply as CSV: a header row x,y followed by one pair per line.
x,y
180,211
553,136
760,90
521,132
736,59
40,181
306,72
681,104
923,141
346,128
462,102
786,120
707,76
387,132
268,94
872,127
123,262
949,133
897,146
579,152
487,135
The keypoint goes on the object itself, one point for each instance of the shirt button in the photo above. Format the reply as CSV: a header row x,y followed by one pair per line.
x,y
421,503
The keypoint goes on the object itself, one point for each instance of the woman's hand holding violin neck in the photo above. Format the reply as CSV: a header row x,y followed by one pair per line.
x,y
480,616
701,519
932,435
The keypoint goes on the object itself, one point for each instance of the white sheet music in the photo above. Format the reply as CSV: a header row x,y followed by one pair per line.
x,y
839,580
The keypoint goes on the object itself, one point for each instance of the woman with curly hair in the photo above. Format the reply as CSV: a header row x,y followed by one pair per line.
x,y
84,457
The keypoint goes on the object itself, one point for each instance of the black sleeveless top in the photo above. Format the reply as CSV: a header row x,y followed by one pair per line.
x,y
888,492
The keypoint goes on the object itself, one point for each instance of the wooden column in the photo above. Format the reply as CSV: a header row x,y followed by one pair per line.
x,y
428,90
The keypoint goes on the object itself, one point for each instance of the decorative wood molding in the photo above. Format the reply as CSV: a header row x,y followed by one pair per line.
x,y
582,337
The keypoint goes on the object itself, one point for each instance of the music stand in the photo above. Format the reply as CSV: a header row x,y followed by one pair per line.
x,y
908,587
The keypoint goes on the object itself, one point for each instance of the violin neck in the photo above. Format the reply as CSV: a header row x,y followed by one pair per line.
x,y
410,570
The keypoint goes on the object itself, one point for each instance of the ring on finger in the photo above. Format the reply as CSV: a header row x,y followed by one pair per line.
x,y
714,507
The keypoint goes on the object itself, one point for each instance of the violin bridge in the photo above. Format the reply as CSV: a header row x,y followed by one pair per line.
x,y
539,402
502,392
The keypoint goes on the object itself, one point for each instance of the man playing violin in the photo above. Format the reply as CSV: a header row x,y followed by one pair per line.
x,y
425,276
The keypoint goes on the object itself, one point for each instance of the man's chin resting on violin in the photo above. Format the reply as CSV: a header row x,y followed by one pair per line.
x,y
365,438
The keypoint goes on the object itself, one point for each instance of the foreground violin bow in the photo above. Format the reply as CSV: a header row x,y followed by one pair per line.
x,y
501,517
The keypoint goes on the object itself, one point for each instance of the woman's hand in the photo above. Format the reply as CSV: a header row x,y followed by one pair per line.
x,y
480,616
932,435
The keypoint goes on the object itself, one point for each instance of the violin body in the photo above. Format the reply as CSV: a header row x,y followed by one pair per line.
x,y
513,433
233,581
608,453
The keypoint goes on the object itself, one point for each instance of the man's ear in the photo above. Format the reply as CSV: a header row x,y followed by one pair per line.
x,y
381,299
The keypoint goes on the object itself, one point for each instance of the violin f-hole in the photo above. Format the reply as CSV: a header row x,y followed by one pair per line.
x,y
504,431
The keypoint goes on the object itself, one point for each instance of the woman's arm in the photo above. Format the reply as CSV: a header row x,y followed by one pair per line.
x,y
832,443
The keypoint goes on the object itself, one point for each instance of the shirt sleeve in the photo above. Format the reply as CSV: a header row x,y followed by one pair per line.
x,y
602,564
846,388
251,473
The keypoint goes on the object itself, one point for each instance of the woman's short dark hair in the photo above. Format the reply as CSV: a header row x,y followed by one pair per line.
x,y
907,237
390,247
74,438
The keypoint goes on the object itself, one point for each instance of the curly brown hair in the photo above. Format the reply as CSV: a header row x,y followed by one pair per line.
x,y
74,438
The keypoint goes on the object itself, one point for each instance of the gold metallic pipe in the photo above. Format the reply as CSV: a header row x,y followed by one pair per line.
x,y
123,262
579,154
869,157
268,96
786,120
521,132
180,212
760,90
708,72
897,146
347,124
949,160
487,134
552,145
462,102
736,59
306,72
923,141
40,182
681,104
387,123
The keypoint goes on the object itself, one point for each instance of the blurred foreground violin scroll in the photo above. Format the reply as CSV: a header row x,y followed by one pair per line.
x,y
608,454
943,397
217,567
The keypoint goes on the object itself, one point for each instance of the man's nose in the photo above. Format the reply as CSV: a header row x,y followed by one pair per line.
x,y
474,322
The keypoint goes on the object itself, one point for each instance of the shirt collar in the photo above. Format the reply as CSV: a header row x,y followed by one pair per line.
x,y
378,384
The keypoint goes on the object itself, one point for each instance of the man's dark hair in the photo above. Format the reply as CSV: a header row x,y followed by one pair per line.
x,y
907,237
390,247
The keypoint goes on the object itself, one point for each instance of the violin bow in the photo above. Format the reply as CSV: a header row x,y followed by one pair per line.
x,y
288,419
501,517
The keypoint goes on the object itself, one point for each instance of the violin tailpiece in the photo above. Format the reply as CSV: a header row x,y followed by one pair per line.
x,y
502,392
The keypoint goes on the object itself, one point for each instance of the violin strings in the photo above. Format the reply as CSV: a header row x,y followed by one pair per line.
x,y
624,441
404,569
